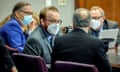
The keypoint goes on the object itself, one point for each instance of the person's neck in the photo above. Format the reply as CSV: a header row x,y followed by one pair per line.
x,y
84,29
19,21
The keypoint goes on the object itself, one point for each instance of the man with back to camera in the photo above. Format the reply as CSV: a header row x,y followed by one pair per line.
x,y
41,40
79,46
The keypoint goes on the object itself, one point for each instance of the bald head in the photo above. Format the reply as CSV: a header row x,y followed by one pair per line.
x,y
81,17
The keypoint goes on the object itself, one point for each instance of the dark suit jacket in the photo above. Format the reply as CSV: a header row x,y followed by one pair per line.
x,y
37,44
6,61
79,46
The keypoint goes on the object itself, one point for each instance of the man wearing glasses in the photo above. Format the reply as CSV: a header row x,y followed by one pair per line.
x,y
99,22
12,31
41,40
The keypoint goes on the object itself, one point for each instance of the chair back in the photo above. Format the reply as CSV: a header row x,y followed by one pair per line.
x,y
29,63
66,66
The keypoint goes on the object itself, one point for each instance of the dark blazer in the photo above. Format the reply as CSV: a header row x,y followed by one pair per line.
x,y
81,47
6,62
37,44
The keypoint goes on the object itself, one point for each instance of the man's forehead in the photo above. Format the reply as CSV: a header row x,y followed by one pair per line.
x,y
95,13
53,15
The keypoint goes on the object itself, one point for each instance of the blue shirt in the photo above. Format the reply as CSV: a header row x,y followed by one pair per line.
x,y
49,36
13,35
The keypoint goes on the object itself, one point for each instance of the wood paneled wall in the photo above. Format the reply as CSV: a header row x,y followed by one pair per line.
x,y
111,7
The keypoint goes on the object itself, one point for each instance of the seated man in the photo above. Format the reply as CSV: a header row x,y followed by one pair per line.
x,y
99,22
41,40
79,46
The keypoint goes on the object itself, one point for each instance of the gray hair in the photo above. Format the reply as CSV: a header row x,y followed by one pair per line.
x,y
81,17
98,8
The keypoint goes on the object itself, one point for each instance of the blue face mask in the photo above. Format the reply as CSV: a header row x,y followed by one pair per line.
x,y
27,20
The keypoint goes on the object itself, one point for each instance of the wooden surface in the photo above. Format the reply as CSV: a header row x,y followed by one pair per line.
x,y
111,7
114,60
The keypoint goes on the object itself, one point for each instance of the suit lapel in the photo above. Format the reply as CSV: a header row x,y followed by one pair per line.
x,y
53,39
45,40
48,45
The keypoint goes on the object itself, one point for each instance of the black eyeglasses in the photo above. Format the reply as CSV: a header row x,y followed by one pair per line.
x,y
54,21
96,17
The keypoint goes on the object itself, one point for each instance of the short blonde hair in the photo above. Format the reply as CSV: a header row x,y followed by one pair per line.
x,y
42,14
36,17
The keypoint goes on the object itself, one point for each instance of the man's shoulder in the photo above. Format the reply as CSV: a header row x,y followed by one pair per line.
x,y
112,21
94,39
64,36
36,34
11,23
112,24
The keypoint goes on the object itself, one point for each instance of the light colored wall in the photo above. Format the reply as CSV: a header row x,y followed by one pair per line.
x,y
66,12
6,6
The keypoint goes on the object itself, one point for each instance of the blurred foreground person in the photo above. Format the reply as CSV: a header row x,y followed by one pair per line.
x,y
6,62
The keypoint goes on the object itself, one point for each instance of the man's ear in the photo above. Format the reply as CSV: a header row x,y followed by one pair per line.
x,y
103,17
73,26
42,22
17,14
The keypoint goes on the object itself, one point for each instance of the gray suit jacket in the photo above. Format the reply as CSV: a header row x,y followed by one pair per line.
x,y
108,24
37,44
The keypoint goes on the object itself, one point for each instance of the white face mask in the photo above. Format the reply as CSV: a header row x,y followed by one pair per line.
x,y
95,24
53,29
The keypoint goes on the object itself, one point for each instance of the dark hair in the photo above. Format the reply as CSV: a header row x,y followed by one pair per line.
x,y
19,6
42,14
